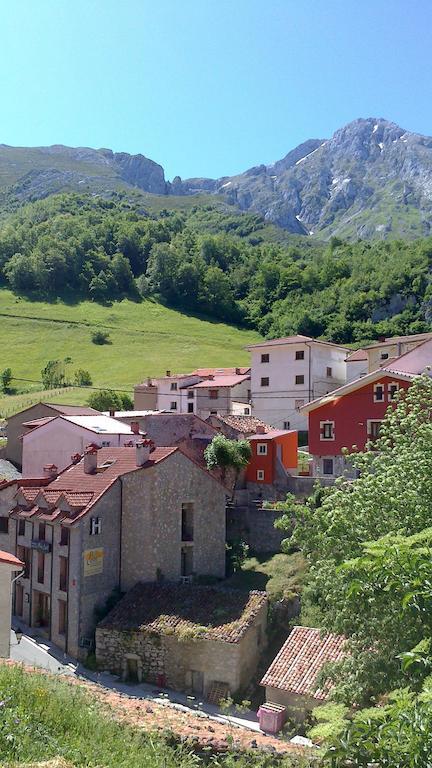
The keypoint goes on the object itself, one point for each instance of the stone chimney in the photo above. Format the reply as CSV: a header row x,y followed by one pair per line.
x,y
50,471
90,459
112,413
135,427
238,372
143,449
75,458
168,373
260,429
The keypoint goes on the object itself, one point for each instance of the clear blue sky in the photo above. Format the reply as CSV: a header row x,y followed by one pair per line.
x,y
209,87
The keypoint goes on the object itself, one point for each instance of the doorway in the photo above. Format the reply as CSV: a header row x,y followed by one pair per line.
x,y
197,681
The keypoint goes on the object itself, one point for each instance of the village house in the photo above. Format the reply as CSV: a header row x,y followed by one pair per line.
x,y
16,428
8,565
351,415
291,679
203,391
238,427
203,640
55,440
118,516
273,453
356,365
286,373
381,353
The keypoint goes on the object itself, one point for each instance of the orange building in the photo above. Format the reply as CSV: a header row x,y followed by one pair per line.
x,y
268,449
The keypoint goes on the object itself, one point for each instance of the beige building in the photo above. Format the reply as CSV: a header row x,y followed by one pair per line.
x,y
8,565
203,640
116,517
291,679
382,352
16,428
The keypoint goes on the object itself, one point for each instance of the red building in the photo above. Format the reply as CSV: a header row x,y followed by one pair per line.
x,y
271,451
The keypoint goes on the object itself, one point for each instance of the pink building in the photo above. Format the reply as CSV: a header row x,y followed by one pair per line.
x,y
53,441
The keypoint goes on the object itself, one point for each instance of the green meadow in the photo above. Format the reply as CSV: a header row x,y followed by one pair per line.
x,y
146,339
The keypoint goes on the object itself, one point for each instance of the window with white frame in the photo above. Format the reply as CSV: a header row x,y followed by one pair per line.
x,y
95,526
262,449
327,430
260,474
392,390
378,393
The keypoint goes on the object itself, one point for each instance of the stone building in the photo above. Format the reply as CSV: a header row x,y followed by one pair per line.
x,y
291,679
116,517
203,640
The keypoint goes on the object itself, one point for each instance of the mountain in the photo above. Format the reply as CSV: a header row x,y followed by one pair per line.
x,y
372,179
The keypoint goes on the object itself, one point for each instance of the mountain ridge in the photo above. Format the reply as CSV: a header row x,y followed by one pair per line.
x,y
371,179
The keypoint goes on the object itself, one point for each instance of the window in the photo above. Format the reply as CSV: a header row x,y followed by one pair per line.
x,y
392,391
190,407
262,449
63,574
190,394
265,381
64,536
329,372
379,393
42,531
286,425
62,617
265,358
106,443
384,355
4,524
24,554
298,404
173,406
327,466
260,474
40,567
327,430
21,527
213,413
95,526
299,355
173,386
299,379
213,394
187,521
373,428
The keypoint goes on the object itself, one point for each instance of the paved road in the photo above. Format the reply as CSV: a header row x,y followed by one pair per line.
x,y
41,654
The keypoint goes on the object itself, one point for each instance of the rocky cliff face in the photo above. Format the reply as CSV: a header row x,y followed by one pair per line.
x,y
371,179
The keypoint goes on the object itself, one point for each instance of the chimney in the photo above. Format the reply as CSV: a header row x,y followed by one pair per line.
x,y
210,377
168,373
135,427
237,370
90,459
75,458
112,413
260,429
149,382
50,471
143,452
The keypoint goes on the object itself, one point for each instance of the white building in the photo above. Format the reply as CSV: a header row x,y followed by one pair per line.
x,y
287,373
356,365
53,441
8,564
204,391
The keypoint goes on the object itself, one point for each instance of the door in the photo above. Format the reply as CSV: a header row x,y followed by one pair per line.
x,y
19,600
197,681
132,670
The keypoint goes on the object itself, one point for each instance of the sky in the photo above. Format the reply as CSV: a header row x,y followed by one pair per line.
x,y
209,87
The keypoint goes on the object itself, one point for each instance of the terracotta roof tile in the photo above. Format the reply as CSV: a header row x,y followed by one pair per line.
x,y
244,424
221,371
8,559
210,613
358,354
293,340
221,381
301,658
72,410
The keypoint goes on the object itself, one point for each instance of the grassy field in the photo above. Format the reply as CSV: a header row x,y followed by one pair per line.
x,y
280,575
146,340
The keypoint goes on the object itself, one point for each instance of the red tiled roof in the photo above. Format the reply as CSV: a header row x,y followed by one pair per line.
x,y
293,340
301,658
359,354
244,424
413,362
271,434
213,612
220,381
8,559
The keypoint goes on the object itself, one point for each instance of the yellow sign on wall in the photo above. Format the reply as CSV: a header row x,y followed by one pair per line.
x,y
93,562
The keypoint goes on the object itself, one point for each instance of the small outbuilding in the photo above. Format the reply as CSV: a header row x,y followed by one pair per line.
x,y
198,639
291,679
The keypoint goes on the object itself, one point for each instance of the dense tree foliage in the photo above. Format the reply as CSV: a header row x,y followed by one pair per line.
x,y
225,264
108,400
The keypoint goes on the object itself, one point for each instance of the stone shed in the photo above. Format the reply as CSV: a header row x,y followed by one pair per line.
x,y
199,639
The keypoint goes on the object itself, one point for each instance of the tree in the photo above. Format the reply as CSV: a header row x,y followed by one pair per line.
x,y
82,378
6,379
108,400
53,375
225,453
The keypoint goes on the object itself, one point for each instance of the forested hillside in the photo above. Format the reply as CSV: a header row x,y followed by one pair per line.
x,y
210,260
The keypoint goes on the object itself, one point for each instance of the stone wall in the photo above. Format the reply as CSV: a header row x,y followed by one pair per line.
x,y
255,526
